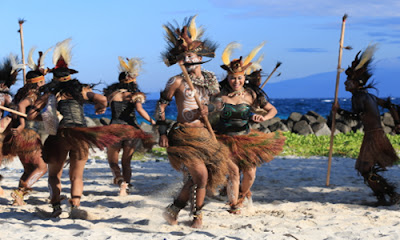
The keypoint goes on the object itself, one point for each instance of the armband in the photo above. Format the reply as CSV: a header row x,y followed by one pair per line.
x,y
163,99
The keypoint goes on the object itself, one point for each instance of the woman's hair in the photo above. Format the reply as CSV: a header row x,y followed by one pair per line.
x,y
23,92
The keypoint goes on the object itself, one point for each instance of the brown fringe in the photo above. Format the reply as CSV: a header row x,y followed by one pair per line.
x,y
193,146
253,149
376,149
27,143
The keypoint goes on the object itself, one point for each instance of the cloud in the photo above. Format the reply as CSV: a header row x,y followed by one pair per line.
x,y
356,8
307,50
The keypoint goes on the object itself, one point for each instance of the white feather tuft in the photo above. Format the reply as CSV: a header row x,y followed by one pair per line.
x,y
62,49
31,63
367,55
15,66
41,61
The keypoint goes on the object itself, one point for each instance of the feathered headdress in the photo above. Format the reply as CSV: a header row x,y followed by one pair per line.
x,y
61,60
360,68
185,40
9,70
38,70
237,66
130,69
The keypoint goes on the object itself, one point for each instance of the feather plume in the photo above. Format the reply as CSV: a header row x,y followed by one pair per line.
x,y
62,49
226,55
170,37
366,56
42,58
252,54
31,63
256,64
132,67
192,28
15,66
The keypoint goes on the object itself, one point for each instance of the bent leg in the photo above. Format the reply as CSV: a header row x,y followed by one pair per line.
x,y
233,185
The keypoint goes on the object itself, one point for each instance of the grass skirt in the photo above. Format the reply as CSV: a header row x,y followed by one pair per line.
x,y
192,146
27,144
376,150
253,149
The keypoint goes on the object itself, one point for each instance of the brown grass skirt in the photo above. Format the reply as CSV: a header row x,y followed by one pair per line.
x,y
376,150
192,146
26,144
253,149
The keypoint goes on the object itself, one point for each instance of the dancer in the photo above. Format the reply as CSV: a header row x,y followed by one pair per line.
x,y
248,148
124,98
376,153
8,75
24,142
189,144
73,138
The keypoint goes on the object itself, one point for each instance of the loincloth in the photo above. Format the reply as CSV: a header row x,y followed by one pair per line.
x,y
190,146
253,149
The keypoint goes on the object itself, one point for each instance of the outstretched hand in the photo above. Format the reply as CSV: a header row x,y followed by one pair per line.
x,y
257,118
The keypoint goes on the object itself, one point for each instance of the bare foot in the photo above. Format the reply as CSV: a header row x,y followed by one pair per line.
x,y
171,215
197,222
123,189
18,198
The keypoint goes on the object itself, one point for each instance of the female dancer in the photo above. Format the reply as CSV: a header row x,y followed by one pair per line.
x,y
124,98
72,136
26,142
249,148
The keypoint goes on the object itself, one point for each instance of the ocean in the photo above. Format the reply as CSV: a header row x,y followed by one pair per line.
x,y
285,107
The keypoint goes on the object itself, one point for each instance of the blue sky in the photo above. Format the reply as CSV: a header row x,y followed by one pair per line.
x,y
303,35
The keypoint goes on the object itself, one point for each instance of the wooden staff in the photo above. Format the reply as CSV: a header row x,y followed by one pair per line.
x,y
339,70
13,111
21,33
196,97
270,75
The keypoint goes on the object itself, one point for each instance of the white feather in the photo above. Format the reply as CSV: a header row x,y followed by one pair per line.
x,y
31,63
15,66
41,61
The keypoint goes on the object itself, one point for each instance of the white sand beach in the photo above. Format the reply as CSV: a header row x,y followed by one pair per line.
x,y
290,201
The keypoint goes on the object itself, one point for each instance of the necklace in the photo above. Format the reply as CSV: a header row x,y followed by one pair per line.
x,y
237,93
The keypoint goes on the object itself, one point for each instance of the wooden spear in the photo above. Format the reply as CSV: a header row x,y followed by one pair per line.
x,y
339,70
13,111
196,97
270,75
21,33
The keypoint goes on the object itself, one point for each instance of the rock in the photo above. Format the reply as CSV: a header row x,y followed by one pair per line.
x,y
309,119
342,127
289,124
302,128
97,121
387,129
105,121
146,127
270,122
279,126
295,116
90,122
388,120
321,129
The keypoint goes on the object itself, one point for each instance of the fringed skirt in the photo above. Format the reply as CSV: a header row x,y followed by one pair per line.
x,y
376,151
27,145
253,149
77,140
189,146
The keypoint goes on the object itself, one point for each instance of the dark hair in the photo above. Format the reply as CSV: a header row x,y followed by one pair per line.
x,y
33,74
23,92
72,88
131,87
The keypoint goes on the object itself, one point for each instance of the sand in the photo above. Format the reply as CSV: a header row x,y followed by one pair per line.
x,y
290,201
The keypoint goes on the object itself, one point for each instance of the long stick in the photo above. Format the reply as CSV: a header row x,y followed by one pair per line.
x,y
339,70
13,111
270,75
21,33
196,97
